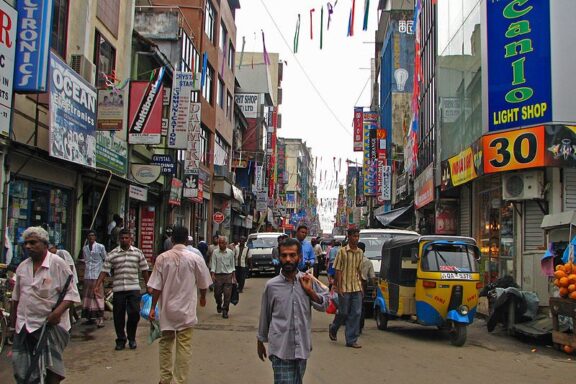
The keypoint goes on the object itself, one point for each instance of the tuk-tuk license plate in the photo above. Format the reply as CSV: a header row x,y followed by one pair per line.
x,y
456,276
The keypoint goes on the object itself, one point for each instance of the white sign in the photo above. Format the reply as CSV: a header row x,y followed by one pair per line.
x,y
192,157
248,103
386,182
138,193
190,186
8,25
182,86
455,276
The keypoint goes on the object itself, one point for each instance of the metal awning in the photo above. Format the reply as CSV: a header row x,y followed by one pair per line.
x,y
387,218
562,219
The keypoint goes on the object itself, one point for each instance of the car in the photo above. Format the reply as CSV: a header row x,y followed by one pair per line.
x,y
374,239
260,247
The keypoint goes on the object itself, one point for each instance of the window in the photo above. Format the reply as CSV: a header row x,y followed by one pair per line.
x,y
190,57
223,37
231,53
104,58
229,106
220,93
204,145
221,151
207,91
59,27
210,20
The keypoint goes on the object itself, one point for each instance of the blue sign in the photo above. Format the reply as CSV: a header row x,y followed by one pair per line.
x,y
33,45
519,64
166,163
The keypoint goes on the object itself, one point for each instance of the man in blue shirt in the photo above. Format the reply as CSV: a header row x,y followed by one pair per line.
x,y
308,257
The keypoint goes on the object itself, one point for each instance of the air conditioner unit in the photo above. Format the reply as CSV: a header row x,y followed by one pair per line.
x,y
525,185
84,67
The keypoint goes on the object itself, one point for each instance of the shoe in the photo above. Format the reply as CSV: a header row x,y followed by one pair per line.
x,y
132,344
100,323
219,309
357,346
225,314
120,346
89,322
332,334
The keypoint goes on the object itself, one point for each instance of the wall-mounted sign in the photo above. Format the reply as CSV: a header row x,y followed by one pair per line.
x,y
145,113
248,103
8,25
183,83
369,165
446,222
462,168
424,187
518,149
192,156
191,186
138,193
111,153
560,145
166,163
32,45
175,192
358,127
147,230
145,173
218,217
110,109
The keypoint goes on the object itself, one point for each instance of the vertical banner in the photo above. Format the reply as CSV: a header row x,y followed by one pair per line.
x,y
183,84
175,192
32,45
8,20
358,127
370,171
192,157
147,220
386,187
381,164
72,115
146,110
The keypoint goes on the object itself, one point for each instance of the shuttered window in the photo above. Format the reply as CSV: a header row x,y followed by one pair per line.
x,y
569,189
464,222
533,234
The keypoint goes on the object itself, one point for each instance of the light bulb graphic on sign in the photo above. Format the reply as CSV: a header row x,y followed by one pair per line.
x,y
401,76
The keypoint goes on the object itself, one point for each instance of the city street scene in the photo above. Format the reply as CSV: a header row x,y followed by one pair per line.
x,y
303,191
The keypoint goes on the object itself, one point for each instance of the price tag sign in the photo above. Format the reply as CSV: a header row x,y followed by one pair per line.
x,y
511,150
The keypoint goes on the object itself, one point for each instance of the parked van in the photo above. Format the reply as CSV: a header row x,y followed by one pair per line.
x,y
260,247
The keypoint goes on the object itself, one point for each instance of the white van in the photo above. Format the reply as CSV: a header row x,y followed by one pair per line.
x,y
260,247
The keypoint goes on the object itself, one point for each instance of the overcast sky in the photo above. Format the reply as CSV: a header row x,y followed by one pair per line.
x,y
339,72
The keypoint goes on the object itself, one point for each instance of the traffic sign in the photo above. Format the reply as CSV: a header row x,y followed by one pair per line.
x,y
218,217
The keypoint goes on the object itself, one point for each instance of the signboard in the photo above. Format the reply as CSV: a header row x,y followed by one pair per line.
x,y
424,187
145,173
191,186
369,164
32,45
519,69
111,153
200,195
147,220
183,84
386,191
218,217
166,163
175,192
560,146
248,103
192,156
511,150
358,127
446,222
138,193
462,168
145,114
72,115
110,109
8,20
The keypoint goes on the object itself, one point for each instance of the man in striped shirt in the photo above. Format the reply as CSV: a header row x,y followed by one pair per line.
x,y
348,265
126,261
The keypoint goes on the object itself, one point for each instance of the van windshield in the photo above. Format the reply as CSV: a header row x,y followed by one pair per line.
x,y
449,258
263,242
373,243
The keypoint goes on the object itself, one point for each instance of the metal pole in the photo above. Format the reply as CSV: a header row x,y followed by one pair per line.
x,y
101,199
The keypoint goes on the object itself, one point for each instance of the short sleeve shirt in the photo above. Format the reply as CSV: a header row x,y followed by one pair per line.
x,y
349,262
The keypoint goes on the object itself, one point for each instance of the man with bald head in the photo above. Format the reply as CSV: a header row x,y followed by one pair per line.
x,y
223,271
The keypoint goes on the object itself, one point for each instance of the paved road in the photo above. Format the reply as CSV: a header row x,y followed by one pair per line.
x,y
225,352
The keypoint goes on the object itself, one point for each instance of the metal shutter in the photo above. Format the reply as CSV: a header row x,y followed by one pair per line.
x,y
569,189
533,234
464,222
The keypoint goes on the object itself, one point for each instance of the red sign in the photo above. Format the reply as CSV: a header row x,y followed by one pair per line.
x,y
147,220
145,113
218,217
358,129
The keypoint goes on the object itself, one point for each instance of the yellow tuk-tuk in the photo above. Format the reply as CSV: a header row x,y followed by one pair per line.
x,y
429,280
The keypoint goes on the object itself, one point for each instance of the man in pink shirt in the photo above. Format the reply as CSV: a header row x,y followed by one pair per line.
x,y
175,280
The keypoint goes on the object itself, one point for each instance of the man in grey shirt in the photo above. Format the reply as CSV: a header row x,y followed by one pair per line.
x,y
286,316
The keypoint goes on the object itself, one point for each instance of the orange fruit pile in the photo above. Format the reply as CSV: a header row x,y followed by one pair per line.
x,y
565,280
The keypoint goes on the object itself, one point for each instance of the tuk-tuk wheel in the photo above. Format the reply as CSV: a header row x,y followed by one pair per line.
x,y
457,334
381,320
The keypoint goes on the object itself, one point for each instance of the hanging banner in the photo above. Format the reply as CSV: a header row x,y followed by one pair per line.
x,y
110,109
370,165
183,84
192,156
72,115
32,45
8,20
358,128
147,221
175,192
145,114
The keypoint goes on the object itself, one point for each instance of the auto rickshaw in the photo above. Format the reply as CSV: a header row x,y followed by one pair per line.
x,y
429,280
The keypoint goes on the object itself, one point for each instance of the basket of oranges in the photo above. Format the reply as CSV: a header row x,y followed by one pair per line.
x,y
565,280
565,305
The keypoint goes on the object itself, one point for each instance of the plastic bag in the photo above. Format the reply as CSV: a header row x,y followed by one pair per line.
x,y
333,303
235,297
145,305
154,332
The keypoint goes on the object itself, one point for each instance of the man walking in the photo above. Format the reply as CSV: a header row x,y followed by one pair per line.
x,y
276,254
307,260
241,255
177,276
286,316
126,261
94,255
223,270
40,279
348,265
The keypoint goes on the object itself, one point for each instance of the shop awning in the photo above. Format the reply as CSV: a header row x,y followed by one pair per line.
x,y
394,216
237,192
556,220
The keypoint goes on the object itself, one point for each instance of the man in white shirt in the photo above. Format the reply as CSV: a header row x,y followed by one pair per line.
x,y
241,255
223,271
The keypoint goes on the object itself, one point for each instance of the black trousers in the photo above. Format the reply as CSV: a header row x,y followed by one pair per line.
x,y
126,302
241,277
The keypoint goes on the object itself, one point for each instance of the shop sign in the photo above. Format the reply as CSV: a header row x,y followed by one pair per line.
x,y
192,154
166,163
218,217
111,153
519,70
175,192
147,221
110,109
560,146
248,103
369,165
386,187
138,193
145,173
511,150
8,16
358,128
32,45
72,115
183,84
360,198
462,168
424,187
261,201
446,217
190,186
145,114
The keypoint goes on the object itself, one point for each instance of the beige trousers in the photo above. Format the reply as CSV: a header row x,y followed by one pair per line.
x,y
175,372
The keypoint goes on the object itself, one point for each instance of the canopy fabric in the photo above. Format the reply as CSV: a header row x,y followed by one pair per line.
x,y
387,218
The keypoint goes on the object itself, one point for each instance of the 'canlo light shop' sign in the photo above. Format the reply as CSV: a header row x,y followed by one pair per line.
x,y
519,83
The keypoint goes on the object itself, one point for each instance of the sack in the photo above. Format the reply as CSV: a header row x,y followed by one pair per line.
x,y
333,303
235,297
154,332
145,305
